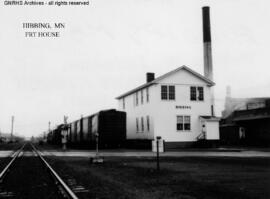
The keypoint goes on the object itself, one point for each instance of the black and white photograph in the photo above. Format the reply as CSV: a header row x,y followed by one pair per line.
x,y
134,99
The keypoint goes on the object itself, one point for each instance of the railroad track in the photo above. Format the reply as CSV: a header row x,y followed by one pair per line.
x,y
29,175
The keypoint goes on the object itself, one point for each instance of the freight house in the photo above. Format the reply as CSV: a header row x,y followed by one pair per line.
x,y
178,106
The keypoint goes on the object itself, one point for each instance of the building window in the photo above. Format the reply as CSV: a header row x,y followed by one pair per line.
x,y
179,123
171,92
193,94
200,93
136,99
137,125
141,96
164,92
186,122
196,93
124,103
142,124
147,95
183,123
148,123
167,92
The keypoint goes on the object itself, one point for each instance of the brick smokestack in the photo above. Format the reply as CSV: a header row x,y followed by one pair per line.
x,y
207,49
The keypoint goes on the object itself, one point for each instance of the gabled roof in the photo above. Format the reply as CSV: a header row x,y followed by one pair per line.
x,y
155,81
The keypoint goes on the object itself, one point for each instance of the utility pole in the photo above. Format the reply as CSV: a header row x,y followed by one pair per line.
x,y
49,127
12,125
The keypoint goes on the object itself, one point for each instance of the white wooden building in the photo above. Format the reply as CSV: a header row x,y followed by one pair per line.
x,y
175,106
178,106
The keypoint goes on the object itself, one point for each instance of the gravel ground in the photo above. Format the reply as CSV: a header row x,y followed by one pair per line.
x,y
180,177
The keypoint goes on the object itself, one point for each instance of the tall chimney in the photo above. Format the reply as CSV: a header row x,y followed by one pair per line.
x,y
207,49
150,77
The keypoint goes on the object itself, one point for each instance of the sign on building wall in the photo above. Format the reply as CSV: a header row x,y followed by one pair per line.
x,y
183,107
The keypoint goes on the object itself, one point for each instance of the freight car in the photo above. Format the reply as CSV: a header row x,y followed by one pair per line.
x,y
110,125
54,136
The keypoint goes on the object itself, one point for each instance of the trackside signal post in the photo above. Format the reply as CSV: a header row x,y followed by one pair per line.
x,y
97,158
64,133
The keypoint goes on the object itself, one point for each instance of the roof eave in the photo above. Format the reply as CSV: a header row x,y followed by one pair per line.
x,y
136,89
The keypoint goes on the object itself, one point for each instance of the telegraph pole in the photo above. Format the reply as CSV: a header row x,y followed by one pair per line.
x,y
49,127
12,125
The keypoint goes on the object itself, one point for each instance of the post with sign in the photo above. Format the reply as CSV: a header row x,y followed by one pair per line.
x,y
97,158
157,143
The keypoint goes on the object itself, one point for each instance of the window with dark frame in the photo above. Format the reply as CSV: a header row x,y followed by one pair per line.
x,y
167,92
137,100
164,93
137,125
186,122
196,93
171,92
200,93
179,123
141,96
193,93
148,123
183,123
142,124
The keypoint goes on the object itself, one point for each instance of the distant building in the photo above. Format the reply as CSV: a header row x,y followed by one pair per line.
x,y
175,106
246,121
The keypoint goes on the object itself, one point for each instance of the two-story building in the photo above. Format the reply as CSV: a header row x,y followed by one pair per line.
x,y
175,106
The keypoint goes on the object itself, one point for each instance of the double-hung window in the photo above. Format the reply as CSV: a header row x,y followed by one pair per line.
x,y
167,92
141,96
136,99
183,123
196,93
164,92
148,123
171,92
142,124
200,93
147,95
137,125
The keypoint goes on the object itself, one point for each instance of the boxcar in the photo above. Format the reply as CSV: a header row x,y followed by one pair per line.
x,y
109,125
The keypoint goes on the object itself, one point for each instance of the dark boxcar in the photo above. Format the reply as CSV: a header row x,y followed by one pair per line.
x,y
111,127
72,132
78,131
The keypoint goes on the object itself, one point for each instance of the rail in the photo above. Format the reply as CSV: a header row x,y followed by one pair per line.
x,y
68,191
201,136
16,154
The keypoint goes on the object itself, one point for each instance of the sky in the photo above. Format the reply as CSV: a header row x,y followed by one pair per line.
x,y
108,46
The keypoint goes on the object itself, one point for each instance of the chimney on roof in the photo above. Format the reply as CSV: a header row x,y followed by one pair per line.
x,y
150,77
207,49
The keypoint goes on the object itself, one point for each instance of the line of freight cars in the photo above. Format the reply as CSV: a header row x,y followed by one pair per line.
x,y
109,124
